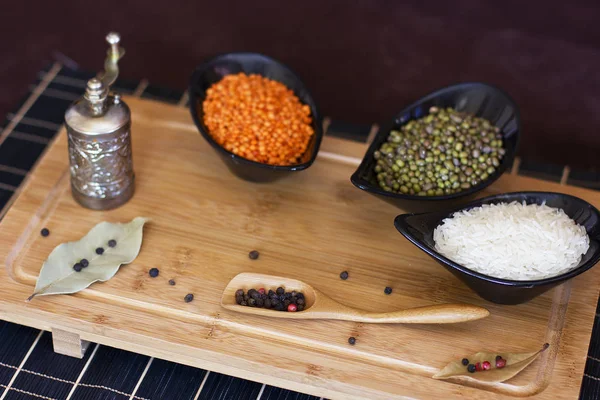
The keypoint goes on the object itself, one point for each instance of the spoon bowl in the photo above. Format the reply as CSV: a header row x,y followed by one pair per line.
x,y
320,306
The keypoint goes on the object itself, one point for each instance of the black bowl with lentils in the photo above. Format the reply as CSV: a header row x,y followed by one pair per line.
x,y
446,147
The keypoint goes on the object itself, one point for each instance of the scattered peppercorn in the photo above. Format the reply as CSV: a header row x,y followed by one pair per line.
x,y
188,297
465,361
153,272
477,366
486,365
84,263
498,358
344,275
387,290
77,267
279,300
44,232
99,251
253,254
471,368
258,118
352,340
112,243
501,363
172,282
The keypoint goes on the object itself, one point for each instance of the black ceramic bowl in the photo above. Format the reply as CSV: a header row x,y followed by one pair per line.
x,y
213,71
476,98
418,228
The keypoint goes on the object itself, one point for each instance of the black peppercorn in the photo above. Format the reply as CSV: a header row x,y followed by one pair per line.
x,y
251,302
300,307
172,282
280,290
387,290
271,293
239,299
84,263
99,251
286,303
243,303
253,254
153,272
112,243
260,302
471,368
45,232
498,358
267,303
280,307
465,361
300,302
239,292
352,340
77,267
294,293
188,297
344,275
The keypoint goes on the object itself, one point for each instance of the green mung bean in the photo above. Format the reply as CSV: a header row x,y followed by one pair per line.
x,y
445,152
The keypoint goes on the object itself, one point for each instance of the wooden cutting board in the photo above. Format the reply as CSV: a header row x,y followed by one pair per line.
x,y
310,226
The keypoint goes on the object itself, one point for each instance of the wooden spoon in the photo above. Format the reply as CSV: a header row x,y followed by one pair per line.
x,y
320,306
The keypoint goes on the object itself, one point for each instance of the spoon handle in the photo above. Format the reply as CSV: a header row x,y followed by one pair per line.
x,y
437,314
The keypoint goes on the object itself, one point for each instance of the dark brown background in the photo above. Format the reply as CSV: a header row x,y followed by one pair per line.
x,y
363,60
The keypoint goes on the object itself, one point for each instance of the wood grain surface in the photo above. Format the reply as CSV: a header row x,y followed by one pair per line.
x,y
310,227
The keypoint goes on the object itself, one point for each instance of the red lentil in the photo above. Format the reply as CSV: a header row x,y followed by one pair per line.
x,y
258,119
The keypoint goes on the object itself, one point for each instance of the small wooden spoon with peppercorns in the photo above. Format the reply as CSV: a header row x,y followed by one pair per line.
x,y
320,306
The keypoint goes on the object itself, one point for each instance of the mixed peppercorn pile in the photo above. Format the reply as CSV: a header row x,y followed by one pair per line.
x,y
483,366
278,300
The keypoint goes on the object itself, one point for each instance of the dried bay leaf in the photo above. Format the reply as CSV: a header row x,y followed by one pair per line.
x,y
515,363
57,275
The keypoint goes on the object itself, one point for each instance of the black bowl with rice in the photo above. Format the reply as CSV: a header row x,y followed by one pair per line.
x,y
521,284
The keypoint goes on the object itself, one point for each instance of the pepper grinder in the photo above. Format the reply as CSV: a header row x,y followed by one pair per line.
x,y
98,129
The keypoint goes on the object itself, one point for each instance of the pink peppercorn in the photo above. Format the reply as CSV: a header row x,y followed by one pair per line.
x,y
486,365
501,363
261,290
292,308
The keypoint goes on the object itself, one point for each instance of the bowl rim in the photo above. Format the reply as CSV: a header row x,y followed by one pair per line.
x,y
402,226
317,119
365,185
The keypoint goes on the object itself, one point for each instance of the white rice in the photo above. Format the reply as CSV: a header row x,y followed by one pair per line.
x,y
513,241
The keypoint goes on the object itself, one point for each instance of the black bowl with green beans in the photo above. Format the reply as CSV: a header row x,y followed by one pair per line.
x,y
444,148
